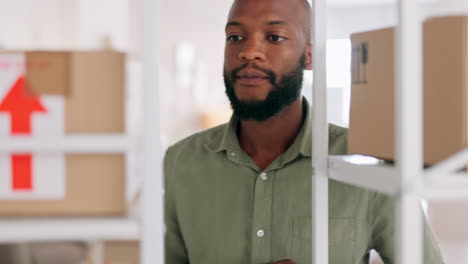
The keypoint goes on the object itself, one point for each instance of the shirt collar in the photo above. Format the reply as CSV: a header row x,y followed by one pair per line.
x,y
302,144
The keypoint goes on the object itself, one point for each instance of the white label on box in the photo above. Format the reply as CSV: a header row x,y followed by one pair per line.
x,y
29,175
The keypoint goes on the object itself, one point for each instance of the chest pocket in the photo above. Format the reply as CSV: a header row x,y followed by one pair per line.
x,y
341,239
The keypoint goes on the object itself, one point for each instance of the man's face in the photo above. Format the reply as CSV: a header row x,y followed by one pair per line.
x,y
267,49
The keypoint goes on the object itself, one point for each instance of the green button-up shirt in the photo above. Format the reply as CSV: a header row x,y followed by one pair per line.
x,y
221,208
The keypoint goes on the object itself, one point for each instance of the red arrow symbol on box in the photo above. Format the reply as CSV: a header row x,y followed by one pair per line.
x,y
20,106
22,172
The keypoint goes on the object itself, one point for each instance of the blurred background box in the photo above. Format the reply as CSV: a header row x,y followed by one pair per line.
x,y
119,252
114,252
43,253
445,90
92,85
57,253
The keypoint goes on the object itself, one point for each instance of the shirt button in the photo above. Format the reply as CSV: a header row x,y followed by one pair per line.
x,y
263,176
260,233
233,154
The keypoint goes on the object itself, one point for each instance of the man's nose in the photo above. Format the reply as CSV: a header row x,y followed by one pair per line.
x,y
252,50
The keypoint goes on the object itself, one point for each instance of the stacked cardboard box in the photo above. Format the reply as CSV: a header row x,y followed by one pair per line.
x,y
122,252
46,95
445,90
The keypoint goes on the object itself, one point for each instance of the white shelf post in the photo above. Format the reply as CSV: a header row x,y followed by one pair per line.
x,y
97,252
408,112
320,136
152,236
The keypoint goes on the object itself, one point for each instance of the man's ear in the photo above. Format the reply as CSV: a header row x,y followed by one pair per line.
x,y
308,54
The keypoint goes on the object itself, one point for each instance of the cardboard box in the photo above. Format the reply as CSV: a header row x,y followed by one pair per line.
x,y
118,252
43,253
113,252
56,253
46,95
445,90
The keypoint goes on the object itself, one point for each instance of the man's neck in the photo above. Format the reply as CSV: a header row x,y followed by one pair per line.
x,y
265,141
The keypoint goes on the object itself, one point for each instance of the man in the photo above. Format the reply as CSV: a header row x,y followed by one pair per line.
x,y
240,192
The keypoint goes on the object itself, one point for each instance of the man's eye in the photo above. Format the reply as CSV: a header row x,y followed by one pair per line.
x,y
276,38
234,38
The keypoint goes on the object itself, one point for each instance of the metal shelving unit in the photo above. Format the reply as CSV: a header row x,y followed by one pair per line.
x,y
406,179
92,230
148,227
319,134
152,235
365,172
17,230
112,143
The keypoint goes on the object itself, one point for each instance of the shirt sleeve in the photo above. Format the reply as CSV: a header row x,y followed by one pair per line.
x,y
174,246
383,231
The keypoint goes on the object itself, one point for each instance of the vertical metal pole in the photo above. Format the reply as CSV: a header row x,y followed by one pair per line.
x,y
152,228
97,252
319,136
408,110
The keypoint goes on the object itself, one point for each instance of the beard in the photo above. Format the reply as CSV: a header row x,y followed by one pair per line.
x,y
284,92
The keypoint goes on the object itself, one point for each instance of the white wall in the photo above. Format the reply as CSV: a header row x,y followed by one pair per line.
x,y
63,24
29,23
98,19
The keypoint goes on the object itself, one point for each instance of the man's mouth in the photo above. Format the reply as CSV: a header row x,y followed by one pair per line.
x,y
251,77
